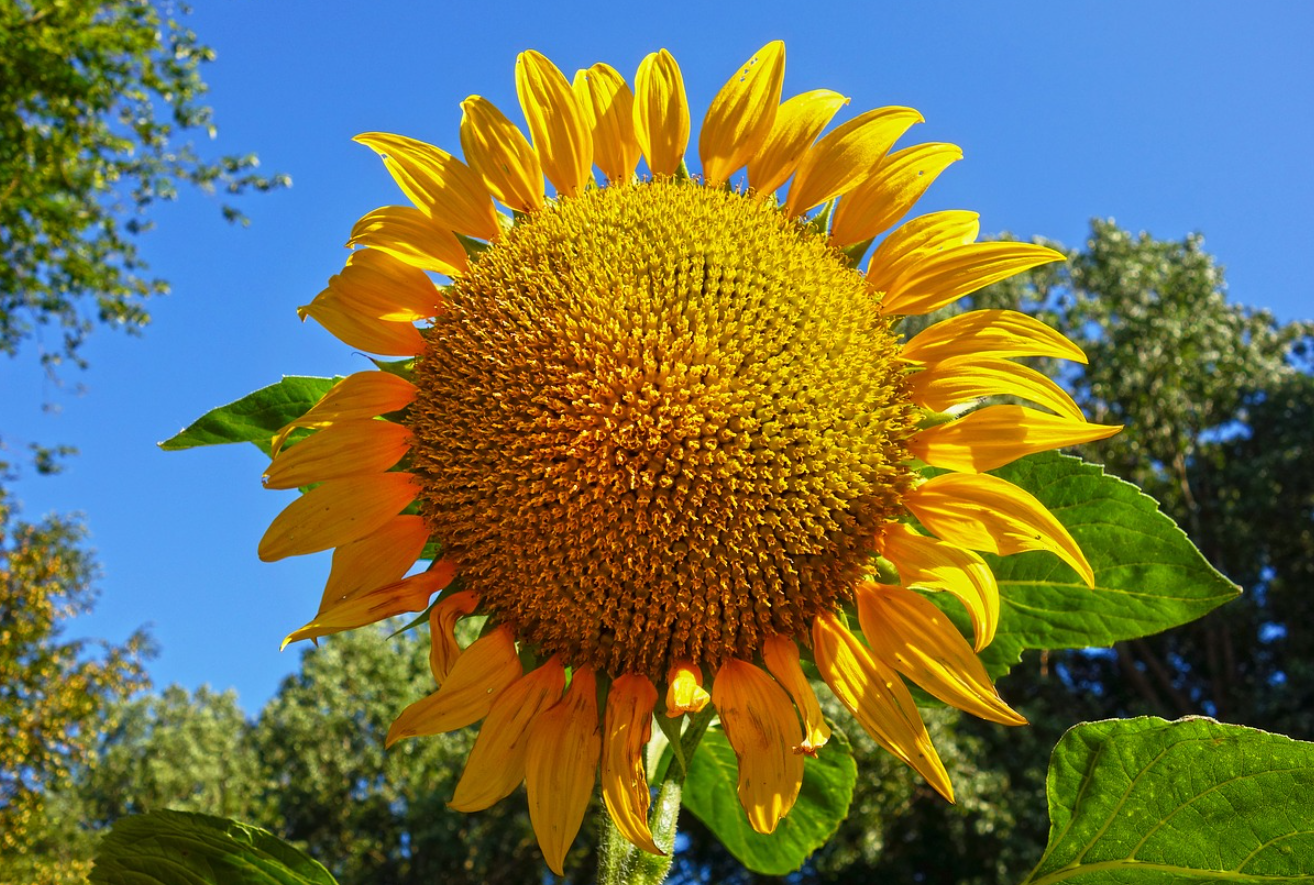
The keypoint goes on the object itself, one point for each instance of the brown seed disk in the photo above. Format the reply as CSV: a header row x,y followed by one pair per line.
x,y
657,422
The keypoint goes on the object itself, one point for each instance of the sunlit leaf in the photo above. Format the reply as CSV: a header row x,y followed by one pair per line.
x,y
254,418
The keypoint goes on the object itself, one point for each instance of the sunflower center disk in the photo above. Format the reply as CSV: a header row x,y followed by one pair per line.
x,y
659,422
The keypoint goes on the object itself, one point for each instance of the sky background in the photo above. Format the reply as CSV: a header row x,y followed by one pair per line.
x,y
1169,118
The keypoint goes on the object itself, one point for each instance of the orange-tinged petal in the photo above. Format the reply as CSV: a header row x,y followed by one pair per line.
x,y
661,112
448,190
347,448
918,239
742,114
945,277
931,563
561,767
337,512
997,435
914,637
482,672
684,691
897,182
983,512
561,132
608,106
1000,333
798,123
443,648
966,378
373,303
877,698
496,764
780,654
357,329
842,159
407,595
362,395
630,702
499,152
762,727
413,237
381,557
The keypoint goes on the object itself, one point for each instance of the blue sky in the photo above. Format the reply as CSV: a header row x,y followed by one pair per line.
x,y
1167,117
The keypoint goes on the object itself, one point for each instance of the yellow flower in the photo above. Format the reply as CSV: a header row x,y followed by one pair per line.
x,y
660,429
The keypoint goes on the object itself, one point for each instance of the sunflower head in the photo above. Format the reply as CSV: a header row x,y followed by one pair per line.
x,y
663,430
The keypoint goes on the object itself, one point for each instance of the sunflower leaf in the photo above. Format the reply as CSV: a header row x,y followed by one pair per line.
x,y
711,793
254,418
1147,801
181,848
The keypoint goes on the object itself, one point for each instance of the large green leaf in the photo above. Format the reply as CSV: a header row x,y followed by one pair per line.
x,y
1148,574
1145,802
255,417
179,848
710,792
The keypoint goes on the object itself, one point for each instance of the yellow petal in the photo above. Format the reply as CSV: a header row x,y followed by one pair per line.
x,y
608,105
362,331
498,151
496,764
986,513
630,702
438,183
443,647
382,557
780,654
373,303
931,563
684,691
842,159
560,129
362,395
561,766
966,378
1000,333
661,112
760,724
916,240
348,448
878,699
914,637
337,512
482,672
798,123
997,435
945,277
742,114
407,595
897,182
413,237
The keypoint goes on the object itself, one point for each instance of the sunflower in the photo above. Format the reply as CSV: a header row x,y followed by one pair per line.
x,y
661,433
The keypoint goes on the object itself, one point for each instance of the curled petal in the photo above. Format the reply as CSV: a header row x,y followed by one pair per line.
x,y
877,698
348,448
931,563
373,303
413,237
945,277
337,512
798,123
999,435
963,379
499,152
897,182
630,702
362,395
559,126
684,692
781,657
608,106
997,333
916,240
983,512
740,117
761,725
661,112
381,557
407,595
496,764
842,159
449,191
443,648
481,673
914,637
561,766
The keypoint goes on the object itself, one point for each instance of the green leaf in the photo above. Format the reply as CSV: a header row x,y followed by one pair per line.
x,y
180,848
710,792
1148,574
1147,801
254,418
